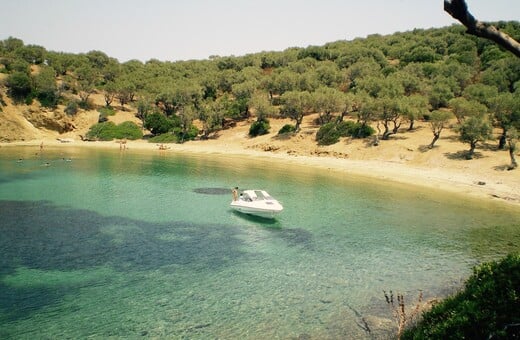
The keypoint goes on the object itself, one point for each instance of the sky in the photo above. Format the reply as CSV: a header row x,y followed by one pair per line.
x,y
171,30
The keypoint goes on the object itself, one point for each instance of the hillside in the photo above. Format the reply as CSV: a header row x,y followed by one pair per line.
x,y
385,82
404,158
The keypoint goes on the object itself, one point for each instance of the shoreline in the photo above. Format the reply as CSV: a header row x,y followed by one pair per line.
x,y
481,186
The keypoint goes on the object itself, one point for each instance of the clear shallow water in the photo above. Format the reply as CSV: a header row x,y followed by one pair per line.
x,y
129,244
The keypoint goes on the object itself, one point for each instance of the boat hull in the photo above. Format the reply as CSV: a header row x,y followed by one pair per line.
x,y
265,213
257,203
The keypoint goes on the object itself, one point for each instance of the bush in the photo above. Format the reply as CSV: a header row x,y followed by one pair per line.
x,y
107,111
72,108
104,112
128,130
190,134
260,127
86,104
328,134
164,138
355,129
48,99
108,131
158,123
287,128
19,84
487,307
102,131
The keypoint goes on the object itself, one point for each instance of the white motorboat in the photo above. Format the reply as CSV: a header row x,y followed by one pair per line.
x,y
257,202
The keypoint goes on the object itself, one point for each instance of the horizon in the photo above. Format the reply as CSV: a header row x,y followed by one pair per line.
x,y
175,31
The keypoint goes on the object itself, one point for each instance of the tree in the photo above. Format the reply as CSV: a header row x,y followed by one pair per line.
x,y
473,130
463,108
110,91
211,114
45,86
243,93
87,78
414,107
158,123
512,136
458,9
505,110
327,101
19,84
296,104
438,121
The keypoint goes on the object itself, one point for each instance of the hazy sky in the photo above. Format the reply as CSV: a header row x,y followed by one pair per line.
x,y
196,29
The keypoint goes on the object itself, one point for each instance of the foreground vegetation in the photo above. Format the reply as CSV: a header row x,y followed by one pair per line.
x,y
385,83
487,308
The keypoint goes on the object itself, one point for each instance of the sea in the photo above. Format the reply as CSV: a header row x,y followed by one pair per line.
x,y
101,243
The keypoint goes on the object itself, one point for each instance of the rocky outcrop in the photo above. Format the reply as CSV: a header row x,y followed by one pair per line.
x,y
49,120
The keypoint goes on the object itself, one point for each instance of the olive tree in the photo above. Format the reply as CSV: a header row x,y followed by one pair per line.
x,y
473,130
296,104
438,121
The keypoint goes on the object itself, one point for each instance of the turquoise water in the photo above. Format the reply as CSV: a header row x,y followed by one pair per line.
x,y
143,244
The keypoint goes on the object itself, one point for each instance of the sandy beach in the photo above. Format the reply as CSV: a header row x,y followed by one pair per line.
x,y
402,159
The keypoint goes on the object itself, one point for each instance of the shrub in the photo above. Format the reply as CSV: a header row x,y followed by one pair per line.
x,y
102,131
357,130
108,131
260,127
287,128
72,108
190,134
48,99
19,84
104,112
107,111
128,130
158,123
328,134
488,306
164,138
86,104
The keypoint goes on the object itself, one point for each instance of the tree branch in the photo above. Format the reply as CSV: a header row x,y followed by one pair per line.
x,y
458,9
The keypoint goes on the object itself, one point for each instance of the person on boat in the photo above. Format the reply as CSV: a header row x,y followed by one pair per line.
x,y
235,193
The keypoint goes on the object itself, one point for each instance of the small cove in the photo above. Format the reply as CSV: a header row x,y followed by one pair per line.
x,y
128,244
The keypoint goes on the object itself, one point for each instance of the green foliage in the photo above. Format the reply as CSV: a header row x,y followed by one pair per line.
x,y
108,131
489,302
45,87
19,84
355,129
164,138
186,134
330,133
287,128
104,112
260,127
415,69
158,123
72,108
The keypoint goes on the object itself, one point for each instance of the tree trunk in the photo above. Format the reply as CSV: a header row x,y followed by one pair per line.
x,y
386,133
435,138
502,140
512,149
298,123
410,128
471,151
342,116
